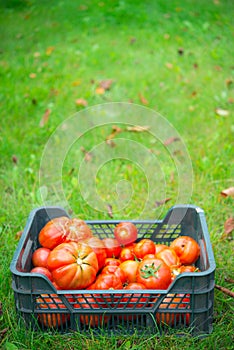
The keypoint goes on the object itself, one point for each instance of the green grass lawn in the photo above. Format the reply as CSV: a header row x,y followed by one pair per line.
x,y
173,57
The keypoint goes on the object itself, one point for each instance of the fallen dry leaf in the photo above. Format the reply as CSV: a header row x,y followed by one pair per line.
x,y
115,130
106,84
228,227
143,100
45,118
222,112
229,82
111,143
169,65
32,75
88,155
18,234
180,51
99,90
14,159
109,210
163,201
231,100
137,128
81,102
228,192
49,50
171,140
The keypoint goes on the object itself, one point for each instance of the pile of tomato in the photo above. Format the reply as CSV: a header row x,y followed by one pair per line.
x,y
73,258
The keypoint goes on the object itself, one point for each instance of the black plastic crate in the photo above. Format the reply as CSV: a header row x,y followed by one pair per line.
x,y
187,305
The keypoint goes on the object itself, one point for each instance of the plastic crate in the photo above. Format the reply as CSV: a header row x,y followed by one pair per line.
x,y
186,306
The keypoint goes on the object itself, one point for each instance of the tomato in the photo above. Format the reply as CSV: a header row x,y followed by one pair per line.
x,y
53,233
143,247
112,262
183,268
160,247
74,265
135,300
99,248
78,230
40,256
113,247
51,319
129,268
94,319
116,270
108,281
154,274
169,256
61,230
175,302
125,233
43,271
187,249
127,253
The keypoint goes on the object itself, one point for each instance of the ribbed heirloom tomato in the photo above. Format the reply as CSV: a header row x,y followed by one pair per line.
x,y
63,229
73,265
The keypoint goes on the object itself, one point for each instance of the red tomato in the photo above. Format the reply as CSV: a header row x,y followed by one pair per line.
x,y
99,248
61,230
53,302
176,302
94,319
169,256
129,268
43,271
74,265
187,249
135,300
54,232
125,233
183,268
160,247
40,256
112,262
143,247
127,253
113,247
154,274
116,270
108,281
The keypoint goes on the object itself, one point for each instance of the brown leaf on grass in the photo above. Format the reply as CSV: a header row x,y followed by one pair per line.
x,y
180,51
115,130
14,159
45,118
105,84
81,102
137,128
49,50
222,112
171,140
88,155
143,100
99,90
228,192
111,143
18,234
231,100
229,82
109,210
163,201
169,65
32,75
228,227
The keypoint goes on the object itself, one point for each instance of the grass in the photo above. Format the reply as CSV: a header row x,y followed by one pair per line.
x,y
175,58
